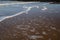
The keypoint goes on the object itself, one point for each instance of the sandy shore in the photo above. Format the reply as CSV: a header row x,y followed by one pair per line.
x,y
36,25
31,27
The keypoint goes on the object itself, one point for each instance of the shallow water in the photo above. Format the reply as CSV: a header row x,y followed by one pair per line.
x,y
8,10
31,21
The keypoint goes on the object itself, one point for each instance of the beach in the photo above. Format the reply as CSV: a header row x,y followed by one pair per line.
x,y
38,21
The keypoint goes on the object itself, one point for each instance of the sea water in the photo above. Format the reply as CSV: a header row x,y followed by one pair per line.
x,y
11,9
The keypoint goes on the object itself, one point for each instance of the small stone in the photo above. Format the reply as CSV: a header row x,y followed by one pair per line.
x,y
44,33
52,27
29,23
37,33
32,30
49,39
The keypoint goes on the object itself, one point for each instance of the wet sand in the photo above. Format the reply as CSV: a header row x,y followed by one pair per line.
x,y
31,26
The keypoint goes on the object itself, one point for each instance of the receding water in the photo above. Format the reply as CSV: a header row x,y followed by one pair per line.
x,y
12,9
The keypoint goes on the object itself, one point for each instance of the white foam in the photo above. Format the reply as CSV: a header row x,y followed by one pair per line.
x,y
44,8
26,11
12,3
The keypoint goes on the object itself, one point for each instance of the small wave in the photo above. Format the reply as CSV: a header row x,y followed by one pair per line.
x,y
4,4
26,11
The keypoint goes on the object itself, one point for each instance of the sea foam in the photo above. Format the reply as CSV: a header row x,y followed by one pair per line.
x,y
26,12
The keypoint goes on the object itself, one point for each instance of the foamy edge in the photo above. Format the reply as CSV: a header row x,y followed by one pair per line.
x,y
26,11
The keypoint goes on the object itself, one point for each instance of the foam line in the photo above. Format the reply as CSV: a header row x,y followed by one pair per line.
x,y
28,9
4,4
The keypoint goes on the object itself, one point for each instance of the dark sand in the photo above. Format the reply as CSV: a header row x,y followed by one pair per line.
x,y
32,26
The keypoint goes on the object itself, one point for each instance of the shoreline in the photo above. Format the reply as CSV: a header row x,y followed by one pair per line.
x,y
36,25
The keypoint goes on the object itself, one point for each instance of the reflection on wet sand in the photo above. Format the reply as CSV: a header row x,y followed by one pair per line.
x,y
31,26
